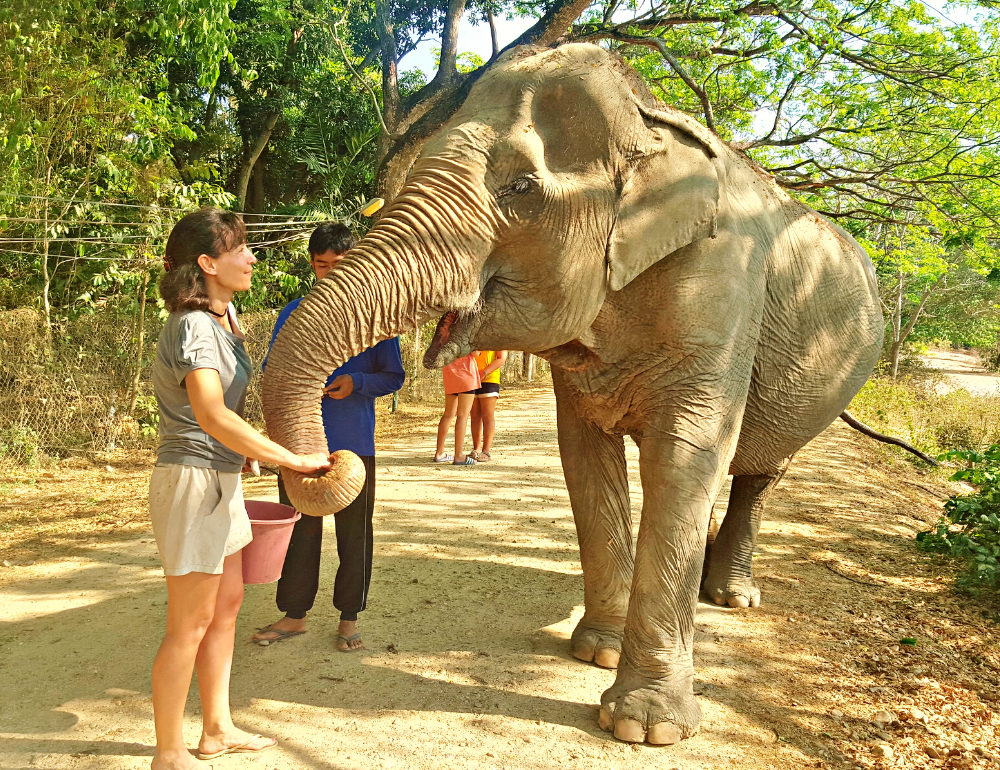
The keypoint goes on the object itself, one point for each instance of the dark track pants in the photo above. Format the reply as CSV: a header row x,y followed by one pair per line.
x,y
300,575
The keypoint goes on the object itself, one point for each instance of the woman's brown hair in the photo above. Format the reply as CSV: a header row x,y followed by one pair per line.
x,y
209,231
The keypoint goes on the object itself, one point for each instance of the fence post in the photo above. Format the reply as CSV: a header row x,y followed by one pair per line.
x,y
133,395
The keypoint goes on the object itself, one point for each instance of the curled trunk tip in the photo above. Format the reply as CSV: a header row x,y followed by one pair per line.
x,y
330,493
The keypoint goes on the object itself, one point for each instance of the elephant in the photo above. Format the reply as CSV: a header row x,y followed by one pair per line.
x,y
682,299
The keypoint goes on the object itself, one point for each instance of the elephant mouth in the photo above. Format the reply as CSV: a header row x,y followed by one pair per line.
x,y
451,339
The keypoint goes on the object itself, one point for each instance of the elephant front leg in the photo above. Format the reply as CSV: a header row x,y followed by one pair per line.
x,y
729,579
652,698
596,477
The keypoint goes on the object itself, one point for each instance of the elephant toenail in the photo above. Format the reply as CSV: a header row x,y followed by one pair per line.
x,y
630,731
605,721
739,602
586,654
663,734
607,657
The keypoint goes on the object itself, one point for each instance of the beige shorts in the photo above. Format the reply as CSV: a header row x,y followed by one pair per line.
x,y
199,517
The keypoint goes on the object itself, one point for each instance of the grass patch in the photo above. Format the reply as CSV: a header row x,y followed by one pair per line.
x,y
963,430
912,408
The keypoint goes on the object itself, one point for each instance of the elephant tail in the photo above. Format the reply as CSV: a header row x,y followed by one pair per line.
x,y
860,426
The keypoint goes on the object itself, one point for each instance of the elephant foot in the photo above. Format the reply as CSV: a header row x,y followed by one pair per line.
x,y
738,592
654,711
601,646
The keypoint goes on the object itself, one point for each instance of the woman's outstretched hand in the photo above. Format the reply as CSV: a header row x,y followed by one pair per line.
x,y
309,464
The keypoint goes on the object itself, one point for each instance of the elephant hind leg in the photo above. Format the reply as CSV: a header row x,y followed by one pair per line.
x,y
729,576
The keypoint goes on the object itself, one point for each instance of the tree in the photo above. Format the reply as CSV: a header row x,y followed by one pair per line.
x,y
384,31
865,109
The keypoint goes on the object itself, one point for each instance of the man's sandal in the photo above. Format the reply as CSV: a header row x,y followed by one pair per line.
x,y
281,635
243,748
347,641
469,460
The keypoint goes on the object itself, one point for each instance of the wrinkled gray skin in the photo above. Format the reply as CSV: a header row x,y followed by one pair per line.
x,y
682,299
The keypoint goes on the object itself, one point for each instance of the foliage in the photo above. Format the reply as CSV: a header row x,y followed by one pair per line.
x,y
867,109
970,528
934,422
21,444
965,311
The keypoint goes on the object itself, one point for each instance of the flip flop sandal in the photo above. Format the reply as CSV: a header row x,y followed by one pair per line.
x,y
469,460
281,636
475,454
243,748
445,459
347,640
483,457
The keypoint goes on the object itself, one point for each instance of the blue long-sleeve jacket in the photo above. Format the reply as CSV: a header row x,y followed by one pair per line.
x,y
350,422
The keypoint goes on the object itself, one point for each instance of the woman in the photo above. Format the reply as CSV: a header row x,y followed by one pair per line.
x,y
200,378
461,380
483,409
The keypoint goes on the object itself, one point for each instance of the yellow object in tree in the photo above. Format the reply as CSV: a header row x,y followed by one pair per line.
x,y
372,206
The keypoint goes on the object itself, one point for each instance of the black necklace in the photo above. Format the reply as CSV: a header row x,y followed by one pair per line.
x,y
217,315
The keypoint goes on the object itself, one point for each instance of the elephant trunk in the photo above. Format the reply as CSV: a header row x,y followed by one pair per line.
x,y
418,262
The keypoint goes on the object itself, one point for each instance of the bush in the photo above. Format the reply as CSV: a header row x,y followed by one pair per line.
x,y
970,528
913,409
21,444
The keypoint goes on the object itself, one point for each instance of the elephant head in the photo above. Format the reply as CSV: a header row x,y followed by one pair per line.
x,y
558,181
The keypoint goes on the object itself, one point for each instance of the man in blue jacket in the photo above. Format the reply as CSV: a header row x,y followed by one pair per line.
x,y
349,421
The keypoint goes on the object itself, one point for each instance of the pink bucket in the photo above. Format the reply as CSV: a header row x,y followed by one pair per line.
x,y
272,526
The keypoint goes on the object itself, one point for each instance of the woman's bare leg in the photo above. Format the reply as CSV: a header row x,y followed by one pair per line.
x,y
450,407
488,408
477,424
215,662
190,611
464,408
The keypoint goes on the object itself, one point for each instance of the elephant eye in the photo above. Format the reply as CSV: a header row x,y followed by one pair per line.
x,y
519,186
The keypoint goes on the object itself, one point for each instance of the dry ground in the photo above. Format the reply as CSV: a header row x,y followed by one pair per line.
x,y
962,369
475,591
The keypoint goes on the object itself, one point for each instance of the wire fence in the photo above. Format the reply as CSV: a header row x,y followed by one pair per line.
x,y
82,387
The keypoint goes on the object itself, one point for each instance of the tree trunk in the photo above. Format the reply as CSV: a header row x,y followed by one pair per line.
x,y
256,202
528,367
250,158
900,335
897,322
493,33
447,65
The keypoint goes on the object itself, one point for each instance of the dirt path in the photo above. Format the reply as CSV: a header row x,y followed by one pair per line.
x,y
962,369
476,589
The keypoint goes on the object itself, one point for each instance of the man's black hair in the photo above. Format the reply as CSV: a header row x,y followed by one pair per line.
x,y
329,236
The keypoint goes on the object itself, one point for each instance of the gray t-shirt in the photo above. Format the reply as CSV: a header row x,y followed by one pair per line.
x,y
191,340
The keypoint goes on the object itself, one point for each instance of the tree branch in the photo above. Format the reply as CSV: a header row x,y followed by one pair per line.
x,y
553,25
671,59
358,73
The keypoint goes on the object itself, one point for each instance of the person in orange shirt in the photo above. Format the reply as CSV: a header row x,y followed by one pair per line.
x,y
489,362
461,381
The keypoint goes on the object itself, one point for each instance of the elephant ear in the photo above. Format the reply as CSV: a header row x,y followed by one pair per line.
x,y
670,197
